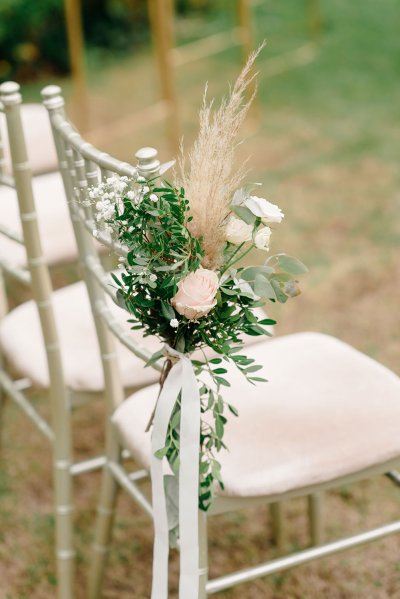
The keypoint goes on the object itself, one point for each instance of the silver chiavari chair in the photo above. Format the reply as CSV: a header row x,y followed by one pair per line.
x,y
49,344
48,190
328,416
38,138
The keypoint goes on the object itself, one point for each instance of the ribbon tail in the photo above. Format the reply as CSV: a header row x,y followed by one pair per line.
x,y
165,406
189,482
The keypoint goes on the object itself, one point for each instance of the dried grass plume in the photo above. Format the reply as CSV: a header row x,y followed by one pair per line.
x,y
209,175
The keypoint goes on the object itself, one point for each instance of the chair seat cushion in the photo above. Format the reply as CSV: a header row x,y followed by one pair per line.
x,y
38,138
327,411
55,229
21,341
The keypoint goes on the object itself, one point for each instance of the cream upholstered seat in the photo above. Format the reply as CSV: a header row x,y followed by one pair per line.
x,y
55,227
39,139
327,411
21,336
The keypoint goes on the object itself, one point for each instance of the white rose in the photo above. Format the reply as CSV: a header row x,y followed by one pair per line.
x,y
262,237
268,212
237,231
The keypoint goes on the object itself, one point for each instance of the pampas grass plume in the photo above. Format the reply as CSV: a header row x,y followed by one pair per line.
x,y
209,175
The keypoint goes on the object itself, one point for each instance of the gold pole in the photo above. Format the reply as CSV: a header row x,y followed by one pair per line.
x,y
73,17
247,43
244,20
314,19
161,13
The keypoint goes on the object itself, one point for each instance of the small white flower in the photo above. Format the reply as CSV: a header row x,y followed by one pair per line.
x,y
237,231
153,197
174,323
145,189
268,212
153,278
141,180
121,186
111,180
131,195
262,238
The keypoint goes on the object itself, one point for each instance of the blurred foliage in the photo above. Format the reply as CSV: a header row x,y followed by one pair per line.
x,y
33,40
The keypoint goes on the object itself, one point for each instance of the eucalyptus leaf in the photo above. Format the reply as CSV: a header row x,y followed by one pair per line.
x,y
280,295
291,265
245,214
250,273
263,287
120,299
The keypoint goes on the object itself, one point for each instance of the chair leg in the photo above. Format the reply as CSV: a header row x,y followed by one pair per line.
x,y
3,296
203,555
278,529
103,532
3,312
315,505
65,554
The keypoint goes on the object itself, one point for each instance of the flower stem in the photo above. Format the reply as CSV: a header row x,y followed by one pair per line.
x,y
232,262
163,377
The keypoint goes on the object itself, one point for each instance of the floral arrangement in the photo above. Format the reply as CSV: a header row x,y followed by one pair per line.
x,y
182,279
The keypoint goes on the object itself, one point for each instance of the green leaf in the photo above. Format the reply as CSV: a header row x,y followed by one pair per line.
x,y
116,280
263,287
250,273
161,453
291,265
267,321
175,420
220,371
219,427
120,299
253,368
233,409
245,214
154,358
167,311
280,295
222,381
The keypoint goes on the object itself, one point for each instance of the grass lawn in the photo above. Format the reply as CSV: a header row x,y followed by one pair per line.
x,y
326,147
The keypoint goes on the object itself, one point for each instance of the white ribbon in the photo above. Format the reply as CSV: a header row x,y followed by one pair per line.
x,y
181,378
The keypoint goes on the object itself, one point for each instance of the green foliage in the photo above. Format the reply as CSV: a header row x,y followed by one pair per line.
x,y
152,220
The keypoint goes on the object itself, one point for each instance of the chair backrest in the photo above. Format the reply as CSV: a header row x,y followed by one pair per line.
x,y
83,166
38,138
36,275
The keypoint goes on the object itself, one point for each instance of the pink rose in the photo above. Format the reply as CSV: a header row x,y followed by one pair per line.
x,y
196,294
